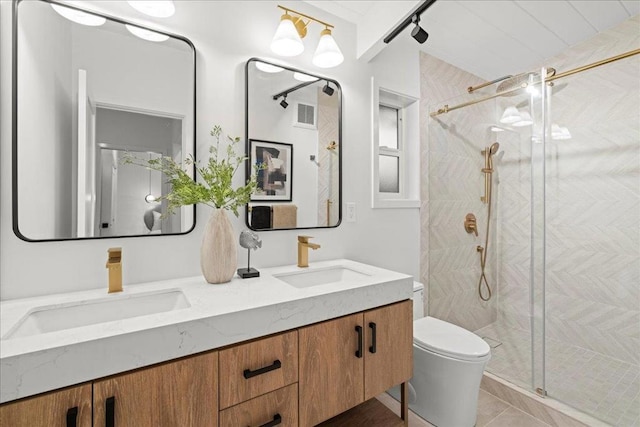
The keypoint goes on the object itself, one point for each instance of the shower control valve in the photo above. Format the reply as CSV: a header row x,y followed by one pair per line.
x,y
470,225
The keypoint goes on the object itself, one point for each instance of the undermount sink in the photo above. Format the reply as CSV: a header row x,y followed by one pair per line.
x,y
321,276
53,318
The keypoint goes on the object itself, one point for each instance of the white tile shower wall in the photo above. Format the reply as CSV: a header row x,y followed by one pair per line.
x,y
451,186
593,199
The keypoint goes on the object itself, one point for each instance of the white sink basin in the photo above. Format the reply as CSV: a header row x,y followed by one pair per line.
x,y
45,319
321,276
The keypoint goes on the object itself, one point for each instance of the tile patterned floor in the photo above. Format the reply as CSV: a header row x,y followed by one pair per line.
x,y
492,412
601,386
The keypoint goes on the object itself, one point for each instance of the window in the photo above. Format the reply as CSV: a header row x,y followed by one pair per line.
x,y
395,150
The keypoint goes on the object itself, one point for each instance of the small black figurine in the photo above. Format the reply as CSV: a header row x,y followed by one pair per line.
x,y
249,240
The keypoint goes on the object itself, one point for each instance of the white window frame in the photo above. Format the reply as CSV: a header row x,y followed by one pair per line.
x,y
408,147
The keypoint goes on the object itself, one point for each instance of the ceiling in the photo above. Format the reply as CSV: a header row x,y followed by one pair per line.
x,y
491,38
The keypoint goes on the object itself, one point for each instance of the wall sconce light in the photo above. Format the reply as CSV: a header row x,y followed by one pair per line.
x,y
78,16
155,8
292,29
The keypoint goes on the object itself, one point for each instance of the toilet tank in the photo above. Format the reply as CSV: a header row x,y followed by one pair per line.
x,y
418,300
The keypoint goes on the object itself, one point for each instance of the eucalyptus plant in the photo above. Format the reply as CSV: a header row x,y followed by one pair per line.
x,y
214,188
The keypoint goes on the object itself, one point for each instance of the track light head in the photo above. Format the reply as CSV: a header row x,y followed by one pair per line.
x,y
328,89
418,33
284,103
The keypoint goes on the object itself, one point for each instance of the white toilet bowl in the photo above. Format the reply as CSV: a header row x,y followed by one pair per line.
x,y
448,362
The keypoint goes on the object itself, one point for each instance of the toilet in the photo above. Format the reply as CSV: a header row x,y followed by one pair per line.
x,y
448,362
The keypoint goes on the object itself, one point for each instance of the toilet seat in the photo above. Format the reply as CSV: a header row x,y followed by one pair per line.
x,y
449,340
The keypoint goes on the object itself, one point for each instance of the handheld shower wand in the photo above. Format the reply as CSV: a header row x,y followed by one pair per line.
x,y
488,153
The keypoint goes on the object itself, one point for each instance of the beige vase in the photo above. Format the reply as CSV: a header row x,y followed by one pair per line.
x,y
218,254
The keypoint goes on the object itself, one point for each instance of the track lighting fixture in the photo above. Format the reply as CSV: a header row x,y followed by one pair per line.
x,y
328,89
287,40
418,33
284,103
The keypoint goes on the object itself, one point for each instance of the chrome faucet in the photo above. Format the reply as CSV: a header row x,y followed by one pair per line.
x,y
303,250
114,264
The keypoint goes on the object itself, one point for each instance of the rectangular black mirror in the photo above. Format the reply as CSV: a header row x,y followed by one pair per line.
x,y
294,137
88,89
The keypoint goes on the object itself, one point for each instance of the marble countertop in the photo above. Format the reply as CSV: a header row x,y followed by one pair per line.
x,y
219,315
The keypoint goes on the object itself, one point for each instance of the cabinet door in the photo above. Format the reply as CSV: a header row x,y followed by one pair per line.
x,y
331,374
70,407
180,393
388,347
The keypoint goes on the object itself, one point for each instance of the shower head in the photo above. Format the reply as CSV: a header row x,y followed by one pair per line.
x,y
522,81
494,148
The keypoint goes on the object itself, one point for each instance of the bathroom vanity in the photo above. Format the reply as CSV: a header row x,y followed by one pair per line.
x,y
293,347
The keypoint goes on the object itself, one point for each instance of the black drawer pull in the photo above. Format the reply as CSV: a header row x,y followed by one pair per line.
x,y
359,350
277,419
248,373
72,416
110,412
372,349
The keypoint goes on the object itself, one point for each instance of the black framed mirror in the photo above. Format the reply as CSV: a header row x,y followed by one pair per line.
x,y
294,133
88,88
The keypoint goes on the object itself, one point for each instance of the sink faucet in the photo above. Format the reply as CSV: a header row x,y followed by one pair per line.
x,y
114,264
303,250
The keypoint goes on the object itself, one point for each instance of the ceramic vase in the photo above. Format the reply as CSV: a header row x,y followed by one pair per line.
x,y
218,254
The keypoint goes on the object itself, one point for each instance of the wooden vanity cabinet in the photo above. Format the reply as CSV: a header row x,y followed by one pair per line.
x,y
346,361
178,393
70,407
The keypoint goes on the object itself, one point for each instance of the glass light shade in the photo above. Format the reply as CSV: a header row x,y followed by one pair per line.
x,y
287,41
510,116
268,68
155,8
560,132
146,34
328,53
525,120
78,16
302,77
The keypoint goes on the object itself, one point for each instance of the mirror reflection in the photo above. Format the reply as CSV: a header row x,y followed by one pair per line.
x,y
293,136
89,90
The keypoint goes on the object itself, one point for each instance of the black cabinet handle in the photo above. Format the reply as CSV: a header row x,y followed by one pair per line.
x,y
372,349
248,373
72,416
277,419
110,412
359,351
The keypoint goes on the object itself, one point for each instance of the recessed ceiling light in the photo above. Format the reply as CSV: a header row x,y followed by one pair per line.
x,y
146,34
155,8
302,77
79,17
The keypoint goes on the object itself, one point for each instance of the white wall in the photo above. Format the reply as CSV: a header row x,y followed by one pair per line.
x,y
388,238
45,192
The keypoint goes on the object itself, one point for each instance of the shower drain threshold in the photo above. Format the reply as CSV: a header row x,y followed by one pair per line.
x,y
493,343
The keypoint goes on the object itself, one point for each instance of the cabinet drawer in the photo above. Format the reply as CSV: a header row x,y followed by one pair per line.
x,y
280,405
256,368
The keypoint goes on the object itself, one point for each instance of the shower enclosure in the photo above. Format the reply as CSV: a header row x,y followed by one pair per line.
x,y
563,259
